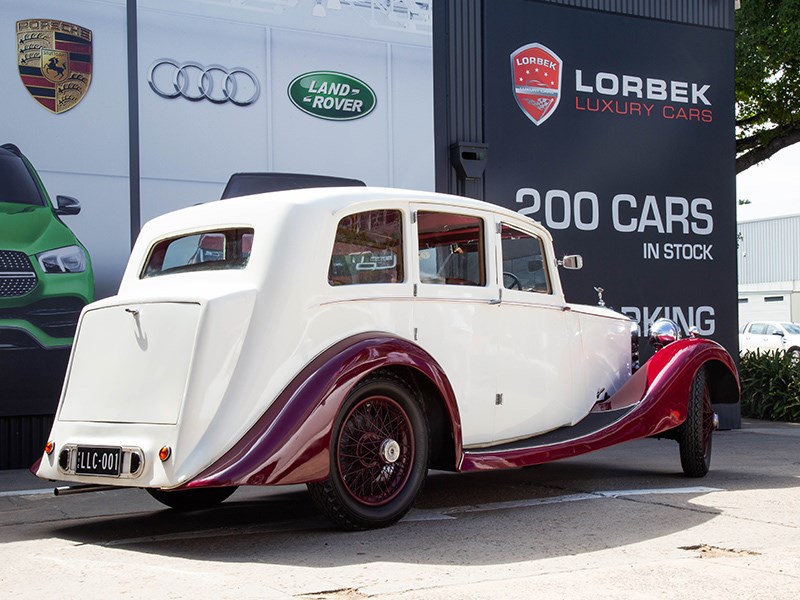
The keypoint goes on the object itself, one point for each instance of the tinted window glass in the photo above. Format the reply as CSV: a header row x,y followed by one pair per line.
x,y
206,250
368,249
16,182
792,328
524,267
451,249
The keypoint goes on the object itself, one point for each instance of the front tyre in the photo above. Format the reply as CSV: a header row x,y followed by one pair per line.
x,y
379,456
194,499
694,435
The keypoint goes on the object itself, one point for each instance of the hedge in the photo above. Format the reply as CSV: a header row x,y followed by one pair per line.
x,y
770,386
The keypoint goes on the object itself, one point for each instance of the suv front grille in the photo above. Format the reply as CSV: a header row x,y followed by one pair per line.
x,y
15,339
57,317
17,276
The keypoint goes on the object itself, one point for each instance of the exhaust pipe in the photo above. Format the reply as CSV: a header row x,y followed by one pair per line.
x,y
81,489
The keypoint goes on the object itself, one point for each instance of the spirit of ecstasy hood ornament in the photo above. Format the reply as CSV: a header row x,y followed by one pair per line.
x,y
600,301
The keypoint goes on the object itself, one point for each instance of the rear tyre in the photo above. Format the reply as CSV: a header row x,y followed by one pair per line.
x,y
694,435
194,499
378,456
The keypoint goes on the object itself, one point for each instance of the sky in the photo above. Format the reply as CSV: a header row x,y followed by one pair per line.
x,y
773,187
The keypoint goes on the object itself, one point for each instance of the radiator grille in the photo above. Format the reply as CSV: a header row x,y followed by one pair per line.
x,y
17,276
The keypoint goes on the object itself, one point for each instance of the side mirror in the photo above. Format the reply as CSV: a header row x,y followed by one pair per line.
x,y
572,261
67,205
778,333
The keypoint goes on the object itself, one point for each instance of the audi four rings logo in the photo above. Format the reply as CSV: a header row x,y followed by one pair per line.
x,y
195,82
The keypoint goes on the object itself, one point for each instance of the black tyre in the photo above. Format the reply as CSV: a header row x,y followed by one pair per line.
x,y
194,499
694,435
379,456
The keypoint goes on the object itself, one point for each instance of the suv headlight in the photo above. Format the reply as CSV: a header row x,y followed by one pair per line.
x,y
70,259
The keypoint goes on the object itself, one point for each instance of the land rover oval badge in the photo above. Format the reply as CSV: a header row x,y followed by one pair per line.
x,y
54,60
332,96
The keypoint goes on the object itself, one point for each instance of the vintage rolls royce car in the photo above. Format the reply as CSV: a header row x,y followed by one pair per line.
x,y
351,339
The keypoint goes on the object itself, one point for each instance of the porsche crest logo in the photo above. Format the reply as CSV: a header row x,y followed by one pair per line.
x,y
54,59
537,81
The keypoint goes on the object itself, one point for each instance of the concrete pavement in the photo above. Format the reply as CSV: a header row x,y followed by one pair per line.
x,y
620,523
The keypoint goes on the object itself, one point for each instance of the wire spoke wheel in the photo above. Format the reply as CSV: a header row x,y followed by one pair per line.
x,y
375,450
695,434
379,455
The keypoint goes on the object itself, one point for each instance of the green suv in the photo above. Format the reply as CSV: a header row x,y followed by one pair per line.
x,y
45,272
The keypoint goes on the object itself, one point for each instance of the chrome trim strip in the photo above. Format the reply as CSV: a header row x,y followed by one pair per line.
x,y
381,299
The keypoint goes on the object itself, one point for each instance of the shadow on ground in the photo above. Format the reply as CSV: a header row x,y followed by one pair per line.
x,y
283,527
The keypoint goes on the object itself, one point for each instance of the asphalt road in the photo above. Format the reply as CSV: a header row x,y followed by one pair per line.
x,y
620,523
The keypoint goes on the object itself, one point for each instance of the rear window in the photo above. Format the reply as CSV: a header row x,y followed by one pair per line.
x,y
201,251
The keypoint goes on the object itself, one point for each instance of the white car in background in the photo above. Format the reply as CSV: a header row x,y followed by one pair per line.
x,y
769,336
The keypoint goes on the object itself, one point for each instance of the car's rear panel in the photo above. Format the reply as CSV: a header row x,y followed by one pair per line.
x,y
146,375
132,364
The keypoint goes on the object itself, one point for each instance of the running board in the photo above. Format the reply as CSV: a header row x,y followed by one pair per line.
x,y
591,424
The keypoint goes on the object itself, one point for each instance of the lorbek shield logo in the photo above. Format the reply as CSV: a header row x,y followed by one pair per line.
x,y
537,81
55,61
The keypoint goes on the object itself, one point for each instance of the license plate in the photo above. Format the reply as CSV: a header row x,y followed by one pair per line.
x,y
93,460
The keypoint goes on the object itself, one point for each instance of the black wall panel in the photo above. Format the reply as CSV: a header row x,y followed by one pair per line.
x,y
624,149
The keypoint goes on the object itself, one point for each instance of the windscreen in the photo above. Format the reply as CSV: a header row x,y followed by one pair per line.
x,y
17,184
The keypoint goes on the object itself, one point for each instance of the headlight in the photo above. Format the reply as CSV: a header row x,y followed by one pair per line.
x,y
634,346
70,259
663,332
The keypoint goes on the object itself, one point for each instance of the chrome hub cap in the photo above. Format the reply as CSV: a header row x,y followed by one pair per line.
x,y
390,451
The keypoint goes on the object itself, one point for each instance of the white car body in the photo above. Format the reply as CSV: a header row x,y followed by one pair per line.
x,y
244,330
178,389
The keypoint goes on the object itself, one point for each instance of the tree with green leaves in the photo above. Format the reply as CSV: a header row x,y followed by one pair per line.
x,y
767,79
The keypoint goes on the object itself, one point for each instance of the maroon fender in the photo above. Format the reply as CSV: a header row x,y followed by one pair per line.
x,y
657,395
290,443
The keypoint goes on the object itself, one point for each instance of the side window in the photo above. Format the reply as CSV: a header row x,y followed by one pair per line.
x,y
368,249
758,328
524,265
451,249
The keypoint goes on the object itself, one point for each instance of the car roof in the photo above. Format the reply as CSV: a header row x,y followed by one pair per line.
x,y
10,149
328,201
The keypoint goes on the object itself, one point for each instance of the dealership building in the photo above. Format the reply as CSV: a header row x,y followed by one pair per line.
x,y
609,121
769,269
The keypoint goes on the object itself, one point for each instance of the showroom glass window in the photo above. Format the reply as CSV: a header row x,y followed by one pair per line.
x,y
201,251
451,249
368,248
524,266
